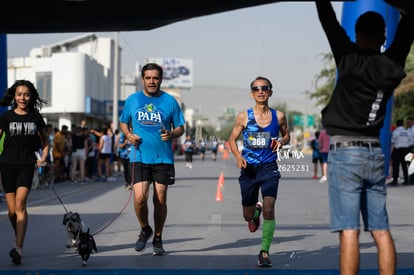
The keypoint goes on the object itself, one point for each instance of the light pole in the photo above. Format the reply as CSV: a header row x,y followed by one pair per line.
x,y
116,84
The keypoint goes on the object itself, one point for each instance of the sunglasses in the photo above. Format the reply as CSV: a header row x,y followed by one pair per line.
x,y
263,88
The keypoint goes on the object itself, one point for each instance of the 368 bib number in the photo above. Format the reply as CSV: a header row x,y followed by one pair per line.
x,y
258,140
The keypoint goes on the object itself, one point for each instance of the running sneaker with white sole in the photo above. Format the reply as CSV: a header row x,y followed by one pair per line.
x,y
255,222
157,246
145,234
264,260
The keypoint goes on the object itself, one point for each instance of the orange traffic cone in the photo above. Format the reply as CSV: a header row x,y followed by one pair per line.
x,y
221,179
225,154
219,195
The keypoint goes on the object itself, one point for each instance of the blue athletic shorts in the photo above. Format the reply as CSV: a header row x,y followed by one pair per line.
x,y
254,177
357,188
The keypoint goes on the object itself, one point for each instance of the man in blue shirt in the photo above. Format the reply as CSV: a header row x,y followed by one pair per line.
x,y
156,119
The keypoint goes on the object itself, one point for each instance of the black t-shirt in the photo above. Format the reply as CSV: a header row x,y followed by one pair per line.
x,y
366,78
22,138
78,142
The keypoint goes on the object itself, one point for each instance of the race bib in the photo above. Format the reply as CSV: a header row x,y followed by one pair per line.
x,y
258,140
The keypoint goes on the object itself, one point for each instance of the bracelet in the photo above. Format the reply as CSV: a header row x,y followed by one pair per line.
x,y
172,134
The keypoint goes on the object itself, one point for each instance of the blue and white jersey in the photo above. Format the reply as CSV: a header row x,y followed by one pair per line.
x,y
148,115
257,140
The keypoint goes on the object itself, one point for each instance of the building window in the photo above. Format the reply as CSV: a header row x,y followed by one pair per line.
x,y
44,87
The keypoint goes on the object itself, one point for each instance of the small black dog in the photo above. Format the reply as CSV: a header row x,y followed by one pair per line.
x,y
74,226
86,246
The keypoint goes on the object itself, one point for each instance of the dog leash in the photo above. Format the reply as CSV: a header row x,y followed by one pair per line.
x,y
115,217
60,200
106,225
119,213
127,202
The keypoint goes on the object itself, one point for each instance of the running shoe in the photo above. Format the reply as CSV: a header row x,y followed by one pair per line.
x,y
255,222
157,246
264,260
145,234
16,256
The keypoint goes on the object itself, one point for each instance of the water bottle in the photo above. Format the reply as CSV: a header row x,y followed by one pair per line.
x,y
40,169
162,128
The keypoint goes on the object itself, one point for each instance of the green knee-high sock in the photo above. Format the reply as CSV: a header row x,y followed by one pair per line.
x,y
256,213
268,228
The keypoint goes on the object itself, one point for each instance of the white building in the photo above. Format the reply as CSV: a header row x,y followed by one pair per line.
x,y
76,77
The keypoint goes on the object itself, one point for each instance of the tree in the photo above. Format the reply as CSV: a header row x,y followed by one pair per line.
x,y
403,106
324,81
404,93
409,64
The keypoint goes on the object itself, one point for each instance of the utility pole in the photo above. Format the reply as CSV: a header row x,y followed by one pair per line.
x,y
116,84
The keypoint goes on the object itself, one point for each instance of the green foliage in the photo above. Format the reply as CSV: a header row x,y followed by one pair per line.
x,y
403,106
409,64
324,81
404,101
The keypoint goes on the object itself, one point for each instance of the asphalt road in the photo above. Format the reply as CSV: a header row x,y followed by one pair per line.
x,y
202,235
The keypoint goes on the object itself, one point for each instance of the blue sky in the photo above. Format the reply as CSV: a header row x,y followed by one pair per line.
x,y
282,41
